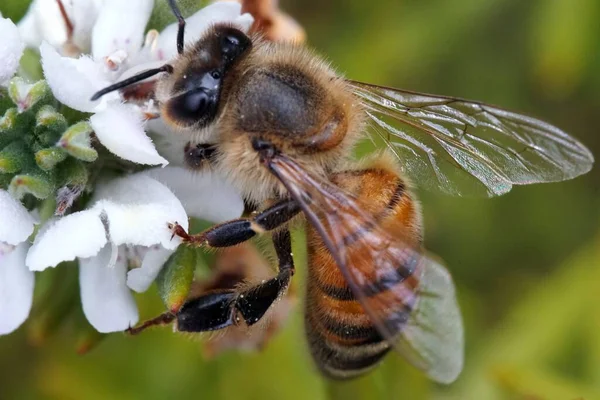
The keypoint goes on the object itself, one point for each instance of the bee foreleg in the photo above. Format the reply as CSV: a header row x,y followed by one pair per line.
x,y
240,230
221,309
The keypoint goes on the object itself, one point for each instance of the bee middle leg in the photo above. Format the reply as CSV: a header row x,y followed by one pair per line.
x,y
220,309
240,230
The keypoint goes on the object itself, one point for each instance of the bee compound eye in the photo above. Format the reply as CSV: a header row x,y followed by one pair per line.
x,y
230,44
233,44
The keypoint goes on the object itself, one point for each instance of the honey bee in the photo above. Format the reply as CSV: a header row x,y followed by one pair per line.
x,y
280,124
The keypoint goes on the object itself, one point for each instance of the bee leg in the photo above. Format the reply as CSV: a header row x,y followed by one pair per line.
x,y
209,312
163,319
239,230
254,302
221,309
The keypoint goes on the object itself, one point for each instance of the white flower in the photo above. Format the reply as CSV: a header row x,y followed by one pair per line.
x,y
128,215
119,51
45,22
11,49
16,281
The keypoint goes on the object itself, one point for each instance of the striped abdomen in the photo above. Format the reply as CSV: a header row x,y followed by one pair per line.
x,y
342,338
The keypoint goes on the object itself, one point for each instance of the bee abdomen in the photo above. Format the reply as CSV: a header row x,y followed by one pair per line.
x,y
343,338
345,348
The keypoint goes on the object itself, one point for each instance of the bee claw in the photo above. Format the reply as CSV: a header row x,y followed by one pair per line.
x,y
177,230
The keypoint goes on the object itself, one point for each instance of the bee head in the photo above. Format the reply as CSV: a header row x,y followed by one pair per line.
x,y
191,95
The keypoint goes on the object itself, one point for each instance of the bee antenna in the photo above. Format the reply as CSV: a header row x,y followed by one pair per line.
x,y
181,28
134,79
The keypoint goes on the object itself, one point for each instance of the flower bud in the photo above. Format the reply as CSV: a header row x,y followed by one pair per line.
x,y
12,157
37,182
176,277
47,159
50,125
27,95
8,121
76,141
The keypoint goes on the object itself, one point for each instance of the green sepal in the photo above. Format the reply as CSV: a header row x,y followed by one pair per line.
x,y
76,141
47,159
58,300
13,157
37,182
28,96
175,279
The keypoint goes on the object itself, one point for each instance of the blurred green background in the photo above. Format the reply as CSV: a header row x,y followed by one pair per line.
x,y
527,265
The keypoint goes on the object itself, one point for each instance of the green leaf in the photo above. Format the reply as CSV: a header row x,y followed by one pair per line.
x,y
175,279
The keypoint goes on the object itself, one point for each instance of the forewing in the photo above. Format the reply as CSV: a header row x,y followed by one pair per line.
x,y
409,297
463,147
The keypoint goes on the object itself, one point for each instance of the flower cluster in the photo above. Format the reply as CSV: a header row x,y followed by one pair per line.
x,y
67,187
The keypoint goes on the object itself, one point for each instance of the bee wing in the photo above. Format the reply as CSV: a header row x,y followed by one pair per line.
x,y
463,147
409,297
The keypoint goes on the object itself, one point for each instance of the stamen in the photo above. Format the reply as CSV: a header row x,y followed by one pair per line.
x,y
68,23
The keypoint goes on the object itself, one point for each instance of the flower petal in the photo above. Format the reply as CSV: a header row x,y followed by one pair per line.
x,y
197,24
28,28
120,26
74,81
16,289
81,234
17,223
44,21
140,279
83,14
120,129
11,49
203,194
168,141
49,22
107,302
138,209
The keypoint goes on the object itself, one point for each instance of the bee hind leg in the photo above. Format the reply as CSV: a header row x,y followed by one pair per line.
x,y
220,309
